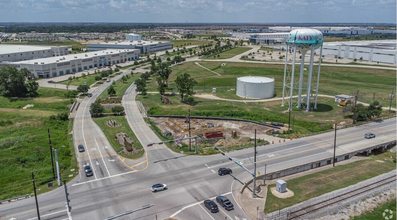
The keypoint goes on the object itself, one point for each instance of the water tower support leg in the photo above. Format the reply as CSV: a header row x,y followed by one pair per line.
x,y
318,75
309,80
285,73
292,79
301,78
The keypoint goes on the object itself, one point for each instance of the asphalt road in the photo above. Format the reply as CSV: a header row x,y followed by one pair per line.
x,y
117,187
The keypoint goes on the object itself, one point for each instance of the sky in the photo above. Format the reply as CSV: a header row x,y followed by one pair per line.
x,y
199,11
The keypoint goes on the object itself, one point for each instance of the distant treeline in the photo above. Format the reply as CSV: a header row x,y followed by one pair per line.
x,y
99,28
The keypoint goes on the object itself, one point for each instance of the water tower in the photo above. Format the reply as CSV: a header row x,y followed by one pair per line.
x,y
302,40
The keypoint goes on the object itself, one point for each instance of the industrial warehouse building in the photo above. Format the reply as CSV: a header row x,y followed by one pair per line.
x,y
269,38
255,87
133,37
373,51
58,66
14,53
146,47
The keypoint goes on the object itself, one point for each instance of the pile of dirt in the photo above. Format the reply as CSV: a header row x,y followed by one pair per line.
x,y
127,143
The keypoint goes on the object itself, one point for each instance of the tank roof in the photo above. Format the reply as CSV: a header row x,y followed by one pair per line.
x,y
305,38
255,79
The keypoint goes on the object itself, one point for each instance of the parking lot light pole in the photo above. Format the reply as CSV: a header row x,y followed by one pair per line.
x,y
334,147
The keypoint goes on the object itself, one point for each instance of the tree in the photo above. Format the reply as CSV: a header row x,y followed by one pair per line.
x,y
124,79
118,109
97,78
96,109
15,83
82,88
136,62
140,85
111,91
185,84
161,85
159,60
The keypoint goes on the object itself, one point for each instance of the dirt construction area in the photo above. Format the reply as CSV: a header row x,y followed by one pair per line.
x,y
234,133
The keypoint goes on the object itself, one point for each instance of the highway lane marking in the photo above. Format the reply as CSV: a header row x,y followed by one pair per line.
x,y
41,216
69,214
206,212
24,212
194,204
207,166
116,175
220,208
96,142
85,142
231,191
168,165
213,171
135,165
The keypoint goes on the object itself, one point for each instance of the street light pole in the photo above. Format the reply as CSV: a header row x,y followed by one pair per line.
x,y
57,165
391,98
190,140
264,182
334,146
254,189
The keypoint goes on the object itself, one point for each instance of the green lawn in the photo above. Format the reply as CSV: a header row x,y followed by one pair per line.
x,y
89,79
229,53
24,142
316,184
378,212
185,43
111,132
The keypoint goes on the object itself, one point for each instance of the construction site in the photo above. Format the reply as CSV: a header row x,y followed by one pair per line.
x,y
219,133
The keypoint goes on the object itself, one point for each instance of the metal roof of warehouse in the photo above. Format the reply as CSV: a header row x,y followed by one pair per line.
x,y
10,48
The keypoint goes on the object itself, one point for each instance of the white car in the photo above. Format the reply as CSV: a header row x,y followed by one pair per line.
x,y
159,187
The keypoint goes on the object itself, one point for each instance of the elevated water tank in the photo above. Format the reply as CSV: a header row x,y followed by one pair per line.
x,y
255,87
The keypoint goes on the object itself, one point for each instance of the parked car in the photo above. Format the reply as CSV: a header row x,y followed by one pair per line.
x,y
88,170
369,135
51,81
81,148
159,187
211,205
224,171
225,202
89,95
167,133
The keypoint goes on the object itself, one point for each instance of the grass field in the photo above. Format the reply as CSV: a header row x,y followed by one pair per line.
x,y
111,132
229,53
185,43
24,142
378,212
120,87
317,184
333,80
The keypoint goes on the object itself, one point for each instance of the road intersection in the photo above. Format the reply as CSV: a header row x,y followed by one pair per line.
x,y
120,185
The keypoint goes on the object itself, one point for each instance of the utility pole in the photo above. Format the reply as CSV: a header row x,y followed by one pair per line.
x,y
333,164
52,158
391,97
254,187
35,196
190,140
354,107
373,97
58,172
289,119
264,182
67,197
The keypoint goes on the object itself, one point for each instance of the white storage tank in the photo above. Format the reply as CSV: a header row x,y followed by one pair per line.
x,y
255,87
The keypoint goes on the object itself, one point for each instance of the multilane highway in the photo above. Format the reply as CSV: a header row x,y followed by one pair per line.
x,y
120,185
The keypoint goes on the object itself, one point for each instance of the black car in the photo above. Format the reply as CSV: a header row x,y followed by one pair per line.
x,y
224,171
225,202
89,95
88,171
81,148
211,205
